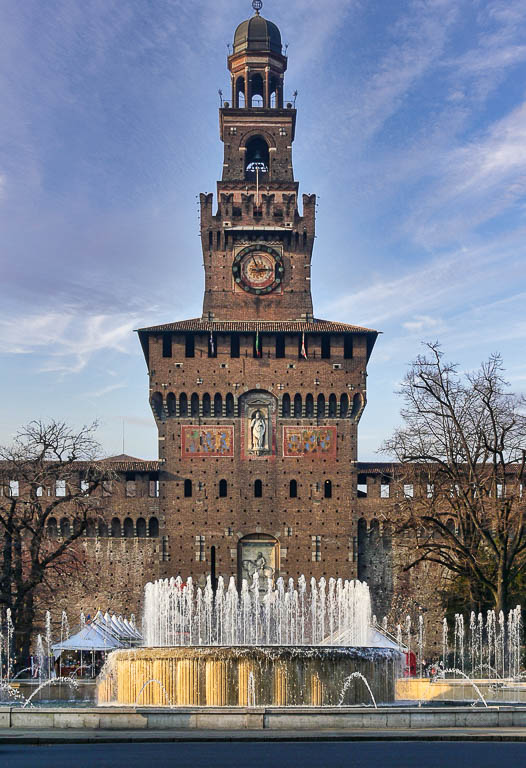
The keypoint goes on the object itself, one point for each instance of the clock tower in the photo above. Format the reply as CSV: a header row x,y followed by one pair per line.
x,y
257,402
257,248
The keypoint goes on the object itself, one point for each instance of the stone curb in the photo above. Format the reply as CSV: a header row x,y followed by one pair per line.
x,y
42,737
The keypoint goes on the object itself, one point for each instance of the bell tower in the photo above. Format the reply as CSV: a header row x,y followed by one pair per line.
x,y
257,402
257,247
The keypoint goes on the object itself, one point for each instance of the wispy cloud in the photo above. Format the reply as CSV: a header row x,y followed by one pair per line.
x,y
421,323
65,341
105,390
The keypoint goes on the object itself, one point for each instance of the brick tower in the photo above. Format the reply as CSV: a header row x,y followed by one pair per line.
x,y
257,403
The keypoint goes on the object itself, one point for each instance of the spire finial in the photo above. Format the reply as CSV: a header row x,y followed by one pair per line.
x,y
257,5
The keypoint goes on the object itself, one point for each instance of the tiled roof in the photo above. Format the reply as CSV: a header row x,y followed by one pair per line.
x,y
377,467
132,465
270,326
118,464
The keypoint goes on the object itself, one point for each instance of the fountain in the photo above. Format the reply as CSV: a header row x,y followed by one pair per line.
x,y
268,644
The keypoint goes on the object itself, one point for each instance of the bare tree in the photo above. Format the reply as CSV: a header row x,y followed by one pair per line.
x,y
50,471
462,447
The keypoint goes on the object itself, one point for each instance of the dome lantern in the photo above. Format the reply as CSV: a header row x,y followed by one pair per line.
x,y
257,63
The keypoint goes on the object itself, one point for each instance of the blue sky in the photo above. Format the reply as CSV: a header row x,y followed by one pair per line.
x,y
411,129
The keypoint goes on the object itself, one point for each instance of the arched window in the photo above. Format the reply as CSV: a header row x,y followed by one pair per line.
x,y
141,528
327,489
157,404
230,405
103,530
206,404
77,525
332,406
194,405
91,530
357,402
320,407
153,527
240,92
223,489
256,89
52,528
285,406
344,406
297,406
65,528
128,528
171,404
293,489
116,528
256,158
188,488
258,489
183,404
309,406
218,405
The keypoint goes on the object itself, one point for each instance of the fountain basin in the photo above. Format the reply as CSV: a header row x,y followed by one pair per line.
x,y
248,676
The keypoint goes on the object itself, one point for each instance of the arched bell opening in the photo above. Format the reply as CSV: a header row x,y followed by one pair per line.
x,y
257,159
239,93
257,91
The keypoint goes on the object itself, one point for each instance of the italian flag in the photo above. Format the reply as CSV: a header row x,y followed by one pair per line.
x,y
303,350
258,347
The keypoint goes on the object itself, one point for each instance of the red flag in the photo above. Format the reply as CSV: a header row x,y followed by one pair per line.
x,y
303,349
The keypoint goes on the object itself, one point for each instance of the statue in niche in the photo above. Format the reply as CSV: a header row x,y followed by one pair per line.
x,y
258,430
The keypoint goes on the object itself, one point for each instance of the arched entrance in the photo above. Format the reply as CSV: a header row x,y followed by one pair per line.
x,y
258,553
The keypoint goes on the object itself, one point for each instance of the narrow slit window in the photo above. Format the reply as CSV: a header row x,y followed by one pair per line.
x,y
167,345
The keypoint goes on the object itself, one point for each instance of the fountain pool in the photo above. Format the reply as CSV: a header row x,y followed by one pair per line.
x,y
281,643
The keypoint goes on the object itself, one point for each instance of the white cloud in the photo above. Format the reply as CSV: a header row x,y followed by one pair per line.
x,y
66,340
475,183
450,283
421,323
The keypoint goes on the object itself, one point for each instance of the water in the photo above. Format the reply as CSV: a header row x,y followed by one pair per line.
x,y
49,643
251,690
9,644
13,694
336,612
454,671
40,657
55,681
347,683
161,686
486,646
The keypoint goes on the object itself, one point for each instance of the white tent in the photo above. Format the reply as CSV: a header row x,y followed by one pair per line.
x,y
104,633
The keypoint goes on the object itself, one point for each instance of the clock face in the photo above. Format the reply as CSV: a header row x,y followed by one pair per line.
x,y
258,269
